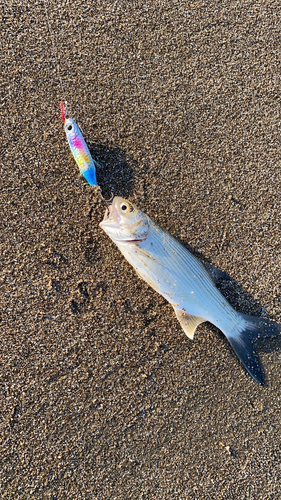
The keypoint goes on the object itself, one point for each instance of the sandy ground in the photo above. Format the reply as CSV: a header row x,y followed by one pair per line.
x,y
102,394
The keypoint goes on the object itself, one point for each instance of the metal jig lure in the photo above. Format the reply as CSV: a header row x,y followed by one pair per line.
x,y
78,147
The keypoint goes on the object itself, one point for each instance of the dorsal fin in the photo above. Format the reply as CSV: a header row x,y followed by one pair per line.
x,y
216,274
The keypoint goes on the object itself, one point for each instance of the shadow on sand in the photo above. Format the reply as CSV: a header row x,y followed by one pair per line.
x,y
115,171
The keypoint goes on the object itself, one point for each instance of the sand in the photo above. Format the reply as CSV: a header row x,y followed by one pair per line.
x,y
102,394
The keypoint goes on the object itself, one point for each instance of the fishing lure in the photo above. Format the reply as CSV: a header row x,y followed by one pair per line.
x,y
78,147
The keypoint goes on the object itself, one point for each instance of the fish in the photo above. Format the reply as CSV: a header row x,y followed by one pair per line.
x,y
78,147
175,273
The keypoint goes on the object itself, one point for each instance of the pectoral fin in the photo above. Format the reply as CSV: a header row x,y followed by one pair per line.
x,y
188,322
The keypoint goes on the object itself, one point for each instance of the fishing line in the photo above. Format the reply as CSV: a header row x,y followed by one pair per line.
x,y
56,54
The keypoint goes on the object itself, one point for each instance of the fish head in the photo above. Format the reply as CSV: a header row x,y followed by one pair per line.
x,y
124,222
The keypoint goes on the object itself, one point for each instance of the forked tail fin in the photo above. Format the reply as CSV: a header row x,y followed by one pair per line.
x,y
254,329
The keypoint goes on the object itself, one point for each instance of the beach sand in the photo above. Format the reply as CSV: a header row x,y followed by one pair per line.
x,y
102,394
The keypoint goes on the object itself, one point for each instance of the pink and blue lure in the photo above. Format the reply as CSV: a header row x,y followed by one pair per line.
x,y
79,148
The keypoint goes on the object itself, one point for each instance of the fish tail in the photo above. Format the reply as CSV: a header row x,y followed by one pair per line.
x,y
251,329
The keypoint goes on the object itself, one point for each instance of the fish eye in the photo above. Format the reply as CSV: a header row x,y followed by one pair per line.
x,y
69,127
124,207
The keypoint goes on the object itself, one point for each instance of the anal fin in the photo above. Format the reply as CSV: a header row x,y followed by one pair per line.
x,y
188,322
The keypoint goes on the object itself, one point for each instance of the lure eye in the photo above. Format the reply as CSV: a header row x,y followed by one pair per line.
x,y
69,127
124,207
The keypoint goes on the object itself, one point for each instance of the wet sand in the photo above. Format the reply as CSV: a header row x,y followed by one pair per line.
x,y
102,394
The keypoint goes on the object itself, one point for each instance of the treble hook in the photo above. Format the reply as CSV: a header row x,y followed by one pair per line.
x,y
102,199
110,199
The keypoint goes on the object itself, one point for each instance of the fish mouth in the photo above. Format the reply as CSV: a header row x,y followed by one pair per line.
x,y
107,214
109,220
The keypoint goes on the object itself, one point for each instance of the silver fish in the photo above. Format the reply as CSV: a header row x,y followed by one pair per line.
x,y
170,269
